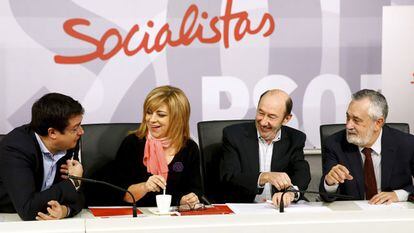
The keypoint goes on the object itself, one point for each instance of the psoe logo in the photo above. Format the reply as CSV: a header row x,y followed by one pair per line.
x,y
194,26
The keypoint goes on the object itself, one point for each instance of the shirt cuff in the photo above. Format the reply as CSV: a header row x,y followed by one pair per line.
x,y
402,195
297,197
68,213
258,179
330,188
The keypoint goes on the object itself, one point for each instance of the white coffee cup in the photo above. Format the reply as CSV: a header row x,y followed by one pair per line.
x,y
163,203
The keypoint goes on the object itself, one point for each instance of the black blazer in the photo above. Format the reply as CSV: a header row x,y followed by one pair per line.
x,y
21,177
397,163
183,171
240,169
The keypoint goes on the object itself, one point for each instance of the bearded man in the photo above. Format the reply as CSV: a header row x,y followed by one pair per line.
x,y
368,160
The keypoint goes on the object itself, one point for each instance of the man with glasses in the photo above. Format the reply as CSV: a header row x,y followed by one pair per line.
x,y
262,159
36,158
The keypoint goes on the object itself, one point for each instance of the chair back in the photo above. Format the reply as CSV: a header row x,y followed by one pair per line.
x,y
210,134
100,143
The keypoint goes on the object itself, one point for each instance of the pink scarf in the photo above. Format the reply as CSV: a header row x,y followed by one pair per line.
x,y
154,156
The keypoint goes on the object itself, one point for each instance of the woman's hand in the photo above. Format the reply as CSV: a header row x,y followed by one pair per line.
x,y
189,199
155,183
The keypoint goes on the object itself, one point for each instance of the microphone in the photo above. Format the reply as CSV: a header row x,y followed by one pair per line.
x,y
291,190
206,201
134,206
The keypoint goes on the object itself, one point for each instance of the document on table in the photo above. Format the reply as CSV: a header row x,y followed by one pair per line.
x,y
266,208
366,206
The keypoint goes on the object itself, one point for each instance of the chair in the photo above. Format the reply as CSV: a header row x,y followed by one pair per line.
x,y
100,143
327,130
99,146
210,135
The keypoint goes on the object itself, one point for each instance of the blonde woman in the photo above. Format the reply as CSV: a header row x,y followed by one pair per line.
x,y
160,154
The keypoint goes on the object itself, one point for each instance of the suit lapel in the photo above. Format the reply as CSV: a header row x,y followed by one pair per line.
x,y
279,150
388,156
355,161
39,163
252,146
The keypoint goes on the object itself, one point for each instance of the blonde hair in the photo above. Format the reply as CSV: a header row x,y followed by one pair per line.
x,y
179,112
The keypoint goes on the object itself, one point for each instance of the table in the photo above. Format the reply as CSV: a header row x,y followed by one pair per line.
x,y
346,216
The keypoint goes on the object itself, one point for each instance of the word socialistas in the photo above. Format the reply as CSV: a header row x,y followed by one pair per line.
x,y
190,29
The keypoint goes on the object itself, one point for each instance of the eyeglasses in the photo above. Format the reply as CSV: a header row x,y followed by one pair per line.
x,y
76,130
188,207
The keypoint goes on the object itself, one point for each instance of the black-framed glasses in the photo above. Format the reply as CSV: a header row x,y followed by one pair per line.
x,y
189,207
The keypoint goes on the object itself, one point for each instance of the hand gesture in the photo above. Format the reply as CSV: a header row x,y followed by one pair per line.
x,y
189,199
337,174
72,167
55,211
280,180
287,198
155,183
384,198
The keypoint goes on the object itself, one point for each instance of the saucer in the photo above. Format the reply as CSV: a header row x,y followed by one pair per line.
x,y
156,212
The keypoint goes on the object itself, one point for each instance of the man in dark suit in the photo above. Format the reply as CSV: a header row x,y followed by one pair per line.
x,y
36,158
369,160
263,158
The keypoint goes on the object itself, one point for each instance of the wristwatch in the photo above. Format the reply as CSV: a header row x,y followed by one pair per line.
x,y
296,194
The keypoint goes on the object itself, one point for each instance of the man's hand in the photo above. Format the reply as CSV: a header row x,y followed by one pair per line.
x,y
72,167
189,199
55,211
338,174
155,183
287,198
384,198
280,180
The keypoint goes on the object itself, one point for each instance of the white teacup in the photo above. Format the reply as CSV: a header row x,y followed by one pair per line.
x,y
163,203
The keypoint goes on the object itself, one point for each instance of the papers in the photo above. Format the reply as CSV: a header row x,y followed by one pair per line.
x,y
365,206
267,208
253,208
307,207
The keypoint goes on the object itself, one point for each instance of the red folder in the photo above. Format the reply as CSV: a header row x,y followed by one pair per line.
x,y
112,211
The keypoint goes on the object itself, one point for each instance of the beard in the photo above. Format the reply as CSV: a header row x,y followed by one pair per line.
x,y
360,140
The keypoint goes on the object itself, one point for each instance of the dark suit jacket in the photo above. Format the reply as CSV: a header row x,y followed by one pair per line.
x,y
240,169
21,177
397,163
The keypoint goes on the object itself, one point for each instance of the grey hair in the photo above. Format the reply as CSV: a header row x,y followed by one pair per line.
x,y
378,106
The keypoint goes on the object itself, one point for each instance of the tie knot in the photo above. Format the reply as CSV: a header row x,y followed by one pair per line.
x,y
367,151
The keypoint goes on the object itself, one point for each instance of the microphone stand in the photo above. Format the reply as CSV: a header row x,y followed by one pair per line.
x,y
282,205
134,205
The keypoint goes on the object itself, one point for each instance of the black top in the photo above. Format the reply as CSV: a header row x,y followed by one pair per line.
x,y
240,165
21,177
183,171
